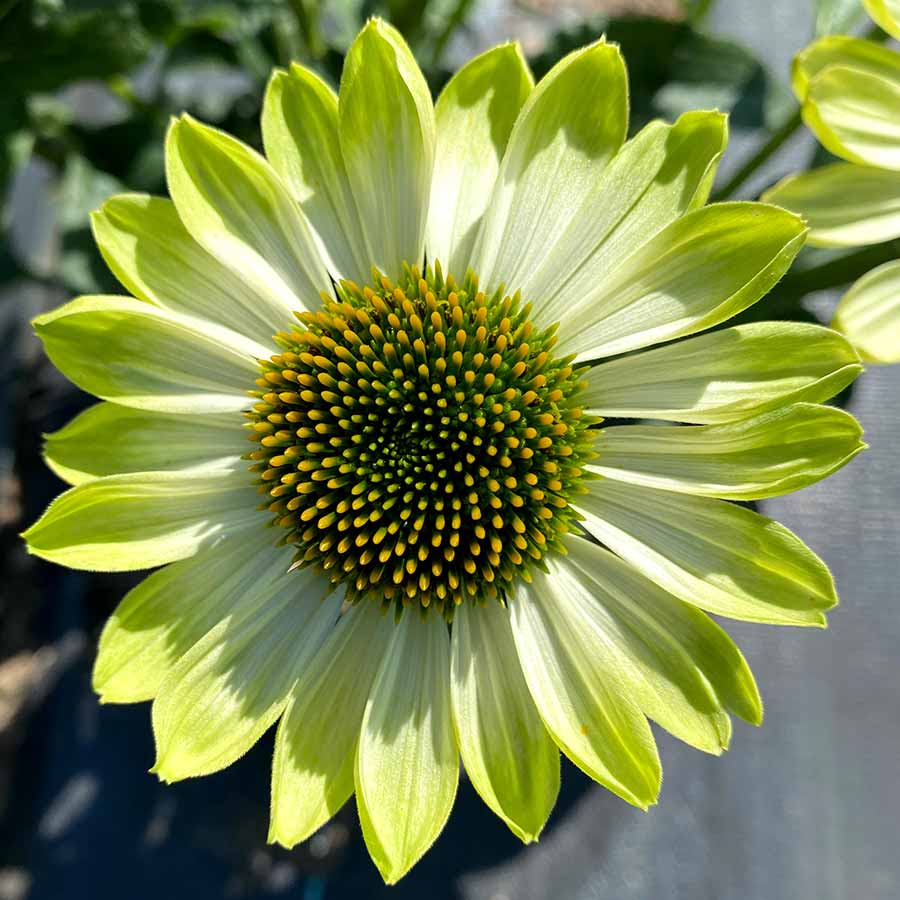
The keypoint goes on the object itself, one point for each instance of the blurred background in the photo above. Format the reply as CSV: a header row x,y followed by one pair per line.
x,y
805,807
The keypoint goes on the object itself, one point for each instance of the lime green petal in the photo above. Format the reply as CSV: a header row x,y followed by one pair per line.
x,y
407,765
838,50
109,439
683,669
387,138
845,205
315,748
702,269
856,115
578,688
233,203
136,521
158,621
721,557
300,133
150,251
508,754
475,114
771,454
149,358
662,173
571,125
641,631
869,314
886,13
725,375
224,693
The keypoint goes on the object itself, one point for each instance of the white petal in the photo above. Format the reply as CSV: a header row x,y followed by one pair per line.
x,y
572,123
150,251
508,754
158,621
771,454
232,202
142,356
573,677
300,132
108,439
475,114
719,556
386,126
137,521
231,686
315,748
407,766
725,375
657,176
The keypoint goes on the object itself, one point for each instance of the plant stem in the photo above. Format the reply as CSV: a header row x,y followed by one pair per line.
x,y
778,137
840,271
454,20
306,15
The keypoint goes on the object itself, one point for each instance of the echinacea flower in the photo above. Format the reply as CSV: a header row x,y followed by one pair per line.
x,y
849,91
430,551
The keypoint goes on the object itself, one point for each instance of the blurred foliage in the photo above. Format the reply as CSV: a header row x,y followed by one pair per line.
x,y
837,16
89,88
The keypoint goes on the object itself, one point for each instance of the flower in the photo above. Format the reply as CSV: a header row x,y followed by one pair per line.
x,y
849,91
449,559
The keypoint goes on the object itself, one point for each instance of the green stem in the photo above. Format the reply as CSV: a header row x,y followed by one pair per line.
x,y
454,20
779,136
839,272
306,15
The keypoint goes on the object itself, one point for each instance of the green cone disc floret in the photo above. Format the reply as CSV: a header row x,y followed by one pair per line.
x,y
419,442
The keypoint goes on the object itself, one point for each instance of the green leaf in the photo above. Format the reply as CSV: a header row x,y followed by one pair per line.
x,y
81,189
219,699
387,138
697,10
508,754
475,114
208,87
149,250
109,439
846,205
700,270
45,45
235,206
721,557
578,688
775,453
315,748
725,375
662,173
139,355
158,621
869,314
569,128
137,521
407,765
300,133
683,669
837,16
